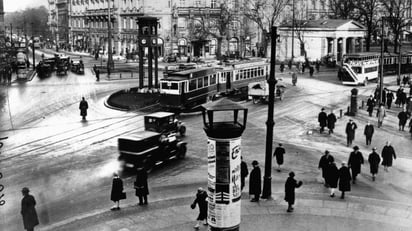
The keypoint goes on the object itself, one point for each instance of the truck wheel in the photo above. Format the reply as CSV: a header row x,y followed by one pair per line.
x,y
182,131
255,100
181,152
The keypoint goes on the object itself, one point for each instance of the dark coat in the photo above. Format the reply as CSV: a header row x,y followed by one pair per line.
x,y
332,175
403,117
344,179
355,162
331,121
83,107
117,190
387,153
142,189
279,151
243,169
389,96
290,186
323,119
30,219
350,130
255,181
201,200
324,163
369,130
374,161
370,104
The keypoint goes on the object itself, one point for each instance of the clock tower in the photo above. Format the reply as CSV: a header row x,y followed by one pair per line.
x,y
148,41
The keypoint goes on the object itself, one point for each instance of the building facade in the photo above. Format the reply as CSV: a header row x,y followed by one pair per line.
x,y
59,17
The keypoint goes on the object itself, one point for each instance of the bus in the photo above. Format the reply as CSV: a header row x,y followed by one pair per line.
x,y
359,68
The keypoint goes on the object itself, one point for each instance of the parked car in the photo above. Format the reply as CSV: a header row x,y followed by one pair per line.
x,y
77,67
148,149
259,91
164,122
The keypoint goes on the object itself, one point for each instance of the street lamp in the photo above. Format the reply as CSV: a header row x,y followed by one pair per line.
x,y
110,63
224,159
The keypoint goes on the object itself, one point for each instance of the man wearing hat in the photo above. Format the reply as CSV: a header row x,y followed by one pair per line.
x,y
355,161
255,182
374,160
201,200
324,163
323,120
290,186
350,131
344,180
28,211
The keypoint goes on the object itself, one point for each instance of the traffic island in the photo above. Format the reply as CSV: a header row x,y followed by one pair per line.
x,y
133,99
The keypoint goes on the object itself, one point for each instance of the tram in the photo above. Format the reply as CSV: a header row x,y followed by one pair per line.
x,y
21,65
189,88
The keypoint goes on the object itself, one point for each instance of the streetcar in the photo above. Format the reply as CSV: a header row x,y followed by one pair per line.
x,y
189,88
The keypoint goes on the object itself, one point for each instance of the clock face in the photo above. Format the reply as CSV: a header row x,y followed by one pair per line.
x,y
144,41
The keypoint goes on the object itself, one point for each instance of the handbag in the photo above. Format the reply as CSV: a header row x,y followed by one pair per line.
x,y
122,196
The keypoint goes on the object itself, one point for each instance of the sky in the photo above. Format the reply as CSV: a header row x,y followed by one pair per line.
x,y
15,5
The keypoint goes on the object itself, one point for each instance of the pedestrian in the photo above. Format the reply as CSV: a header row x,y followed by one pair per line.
x,y
405,80
282,67
324,162
403,117
332,177
117,192
303,67
331,121
317,66
201,201
381,114
398,80
384,96
9,74
323,120
243,172
403,98
94,68
374,161
344,180
311,71
97,75
355,163
255,182
290,64
28,210
398,96
388,154
278,154
294,78
83,108
350,132
290,186
140,185
368,132
389,98
370,105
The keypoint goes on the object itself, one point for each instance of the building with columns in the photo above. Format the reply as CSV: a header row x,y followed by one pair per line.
x,y
321,38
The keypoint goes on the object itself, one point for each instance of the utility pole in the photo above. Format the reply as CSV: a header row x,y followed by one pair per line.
x,y
110,63
293,30
381,75
267,179
400,57
32,47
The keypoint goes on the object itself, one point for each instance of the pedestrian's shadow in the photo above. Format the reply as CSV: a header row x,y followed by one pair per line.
x,y
84,122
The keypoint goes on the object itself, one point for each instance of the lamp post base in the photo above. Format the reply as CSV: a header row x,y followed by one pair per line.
x,y
267,188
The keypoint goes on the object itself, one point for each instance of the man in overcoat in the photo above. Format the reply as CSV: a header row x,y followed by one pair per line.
x,y
243,173
255,182
117,193
368,132
344,180
278,154
388,152
350,131
370,104
332,177
381,114
140,185
324,162
389,98
355,162
290,186
83,106
201,201
403,117
28,210
374,161
322,119
331,121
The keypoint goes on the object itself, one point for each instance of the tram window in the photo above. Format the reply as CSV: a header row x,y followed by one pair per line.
x,y
199,82
164,85
371,69
213,79
255,72
174,86
192,85
206,81
357,70
228,74
237,76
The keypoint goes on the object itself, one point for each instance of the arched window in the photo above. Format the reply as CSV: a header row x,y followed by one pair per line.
x,y
213,46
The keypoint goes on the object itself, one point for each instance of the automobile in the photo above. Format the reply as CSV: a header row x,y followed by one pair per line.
x,y
77,67
259,91
164,122
147,149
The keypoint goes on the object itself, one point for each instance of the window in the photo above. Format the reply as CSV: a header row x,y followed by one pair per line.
x,y
213,4
199,82
206,81
131,23
197,3
192,85
371,69
124,23
213,79
182,3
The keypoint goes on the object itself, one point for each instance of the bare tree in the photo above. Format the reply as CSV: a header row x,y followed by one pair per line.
x,y
396,16
367,11
265,14
343,9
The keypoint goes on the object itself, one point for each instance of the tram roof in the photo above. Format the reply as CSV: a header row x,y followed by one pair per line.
x,y
362,54
191,73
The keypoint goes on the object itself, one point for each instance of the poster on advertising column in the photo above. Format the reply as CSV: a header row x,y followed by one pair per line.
x,y
224,182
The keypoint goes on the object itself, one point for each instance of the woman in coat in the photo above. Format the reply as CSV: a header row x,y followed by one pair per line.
x,y
355,162
332,177
387,154
374,161
83,106
141,187
201,200
117,191
381,114
344,180
331,121
290,186
255,182
28,211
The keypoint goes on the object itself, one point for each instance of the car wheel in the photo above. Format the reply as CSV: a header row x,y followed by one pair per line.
x,y
182,131
181,152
